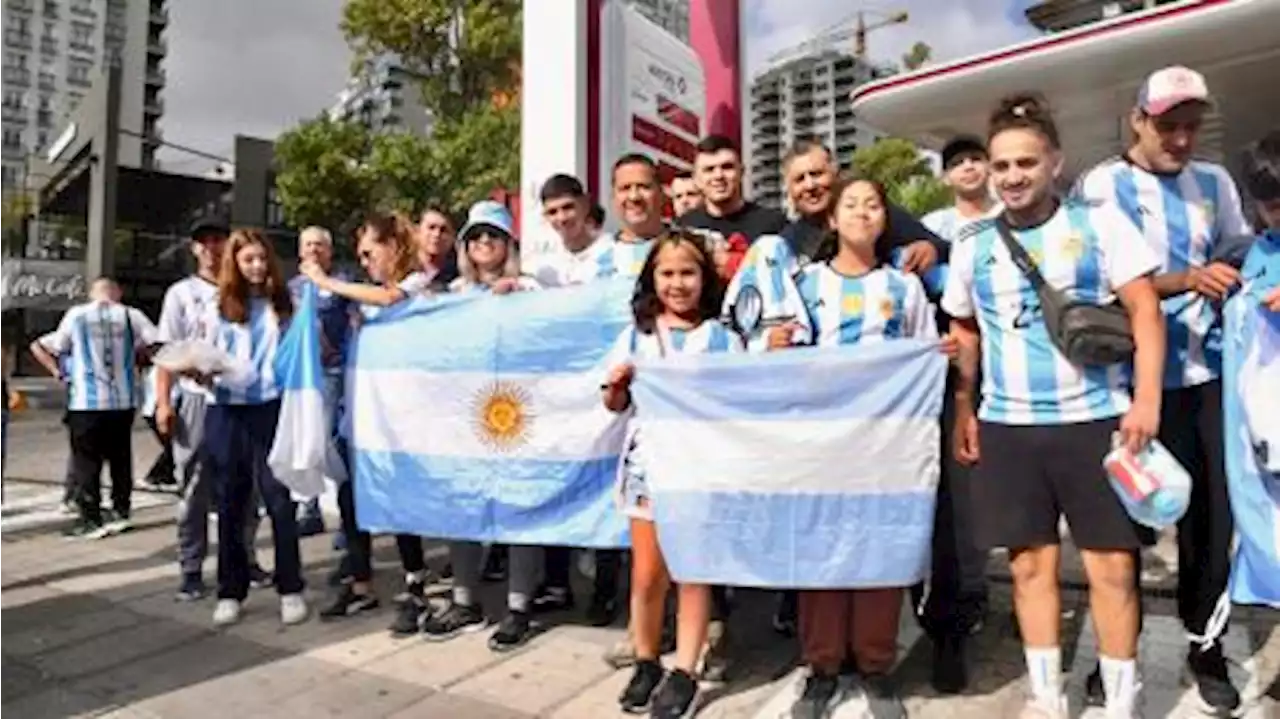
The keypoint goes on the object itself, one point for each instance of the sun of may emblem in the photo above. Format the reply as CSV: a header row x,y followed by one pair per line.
x,y
502,415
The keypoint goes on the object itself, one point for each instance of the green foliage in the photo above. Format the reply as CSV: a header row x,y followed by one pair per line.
x,y
477,152
323,174
919,54
905,174
466,51
16,207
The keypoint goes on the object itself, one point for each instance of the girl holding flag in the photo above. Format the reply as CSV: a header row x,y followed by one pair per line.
x,y
676,306
250,316
850,297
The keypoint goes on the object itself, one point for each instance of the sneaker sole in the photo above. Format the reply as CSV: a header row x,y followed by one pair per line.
x,y
468,629
1204,707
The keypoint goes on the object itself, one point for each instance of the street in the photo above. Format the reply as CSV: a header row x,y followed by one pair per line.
x,y
91,629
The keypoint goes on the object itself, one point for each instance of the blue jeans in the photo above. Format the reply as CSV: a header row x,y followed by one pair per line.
x,y
237,441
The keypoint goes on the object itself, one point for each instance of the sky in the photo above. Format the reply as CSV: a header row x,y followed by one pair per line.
x,y
290,59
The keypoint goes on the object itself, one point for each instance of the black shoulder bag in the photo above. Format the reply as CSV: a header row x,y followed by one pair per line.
x,y
1086,333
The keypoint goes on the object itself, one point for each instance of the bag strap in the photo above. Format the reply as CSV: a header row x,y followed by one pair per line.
x,y
1019,254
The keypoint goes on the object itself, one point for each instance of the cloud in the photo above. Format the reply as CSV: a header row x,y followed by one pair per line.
x,y
953,28
250,67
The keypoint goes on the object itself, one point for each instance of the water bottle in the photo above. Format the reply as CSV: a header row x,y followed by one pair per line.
x,y
1153,487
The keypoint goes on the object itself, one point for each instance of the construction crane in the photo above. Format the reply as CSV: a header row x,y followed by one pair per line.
x,y
855,27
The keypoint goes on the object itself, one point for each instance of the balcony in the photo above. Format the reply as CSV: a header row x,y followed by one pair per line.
x,y
81,48
14,113
159,15
47,82
20,5
153,105
19,76
83,10
20,40
44,118
79,81
157,46
49,45
155,76
50,10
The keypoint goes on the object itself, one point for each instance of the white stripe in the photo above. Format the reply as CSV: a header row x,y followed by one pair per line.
x,y
1006,280
846,456
1061,268
427,413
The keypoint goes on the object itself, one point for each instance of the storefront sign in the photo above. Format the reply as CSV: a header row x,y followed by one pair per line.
x,y
43,284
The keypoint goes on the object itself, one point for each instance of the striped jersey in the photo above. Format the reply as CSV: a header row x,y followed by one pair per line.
x,y
1182,217
882,304
771,269
99,340
606,257
253,342
189,305
1084,249
948,224
709,337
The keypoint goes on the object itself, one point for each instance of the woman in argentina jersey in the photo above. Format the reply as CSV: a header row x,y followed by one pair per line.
x,y
850,297
1045,424
252,311
677,306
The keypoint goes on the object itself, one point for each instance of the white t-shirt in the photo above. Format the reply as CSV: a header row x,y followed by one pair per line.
x,y
185,315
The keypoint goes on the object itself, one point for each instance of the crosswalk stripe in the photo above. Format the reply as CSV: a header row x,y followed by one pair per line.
x,y
46,509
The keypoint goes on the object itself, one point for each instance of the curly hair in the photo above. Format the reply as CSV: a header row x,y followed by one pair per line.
x,y
830,244
1024,111
397,231
233,287
646,306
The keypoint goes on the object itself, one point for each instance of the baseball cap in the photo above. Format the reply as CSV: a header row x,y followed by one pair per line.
x,y
1167,88
960,145
488,213
206,226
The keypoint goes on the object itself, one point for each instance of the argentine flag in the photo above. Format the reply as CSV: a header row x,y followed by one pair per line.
x,y
303,454
806,468
479,417
1251,412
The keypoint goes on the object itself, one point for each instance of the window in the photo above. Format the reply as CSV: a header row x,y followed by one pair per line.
x,y
15,59
13,99
10,176
46,103
42,140
78,73
12,139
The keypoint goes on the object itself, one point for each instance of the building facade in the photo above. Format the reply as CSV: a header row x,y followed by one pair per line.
x,y
55,50
384,97
670,15
805,97
1059,15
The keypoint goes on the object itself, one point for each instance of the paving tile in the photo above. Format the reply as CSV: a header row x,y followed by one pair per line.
x,y
355,694
450,705
541,677
599,699
115,648
121,584
249,692
21,679
19,597
357,651
435,665
55,703
68,629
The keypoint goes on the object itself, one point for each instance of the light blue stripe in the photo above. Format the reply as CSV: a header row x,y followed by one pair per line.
x,y
893,327
493,499
549,331
1089,288
678,338
89,385
130,376
1209,189
903,378
850,325
257,389
795,540
1041,360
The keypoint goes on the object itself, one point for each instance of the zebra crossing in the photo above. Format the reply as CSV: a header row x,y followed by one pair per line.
x,y
45,509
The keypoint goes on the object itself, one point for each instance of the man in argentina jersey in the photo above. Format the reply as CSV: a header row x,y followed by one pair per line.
x,y
1184,207
185,315
101,338
964,170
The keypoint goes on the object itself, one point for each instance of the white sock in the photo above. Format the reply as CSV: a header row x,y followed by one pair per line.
x,y
1119,683
461,596
1044,666
518,602
414,577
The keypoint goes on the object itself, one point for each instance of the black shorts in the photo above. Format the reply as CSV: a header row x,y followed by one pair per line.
x,y
1029,476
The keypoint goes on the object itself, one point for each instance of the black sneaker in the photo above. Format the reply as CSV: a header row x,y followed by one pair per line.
x,y
447,573
676,698
348,603
1208,671
552,599
409,615
260,578
454,620
86,530
645,679
603,611
512,632
949,673
821,694
1094,694
192,589
883,701
339,576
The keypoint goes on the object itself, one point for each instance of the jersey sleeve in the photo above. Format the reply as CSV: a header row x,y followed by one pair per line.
x,y
1094,186
170,327
1230,221
59,340
921,322
144,332
957,293
619,353
1125,252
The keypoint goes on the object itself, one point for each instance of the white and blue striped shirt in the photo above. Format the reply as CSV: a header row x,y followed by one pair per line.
x,y
100,339
1182,217
948,224
189,305
882,304
253,342
606,257
1086,250
709,337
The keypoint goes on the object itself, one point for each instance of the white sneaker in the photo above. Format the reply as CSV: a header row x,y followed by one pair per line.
x,y
293,609
1041,709
226,612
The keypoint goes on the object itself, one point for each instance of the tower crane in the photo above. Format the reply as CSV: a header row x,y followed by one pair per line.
x,y
855,27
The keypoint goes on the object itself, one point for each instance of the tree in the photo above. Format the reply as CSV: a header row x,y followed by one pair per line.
x,y
323,173
466,52
407,172
476,153
17,206
905,174
919,54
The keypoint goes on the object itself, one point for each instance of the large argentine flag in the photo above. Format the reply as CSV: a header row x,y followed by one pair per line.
x,y
479,417
810,468
302,454
1251,409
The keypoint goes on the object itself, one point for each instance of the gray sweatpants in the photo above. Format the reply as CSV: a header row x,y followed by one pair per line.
x,y
197,494
524,571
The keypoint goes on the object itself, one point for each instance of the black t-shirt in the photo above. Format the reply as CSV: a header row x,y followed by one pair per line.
x,y
750,221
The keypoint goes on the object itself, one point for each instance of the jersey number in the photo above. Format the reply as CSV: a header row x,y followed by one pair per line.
x,y
1028,313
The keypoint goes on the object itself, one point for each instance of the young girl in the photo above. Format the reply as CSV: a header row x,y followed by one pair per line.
x,y
676,307
488,253
251,314
850,298
388,253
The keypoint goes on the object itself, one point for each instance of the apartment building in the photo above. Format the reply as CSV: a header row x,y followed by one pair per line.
x,y
384,97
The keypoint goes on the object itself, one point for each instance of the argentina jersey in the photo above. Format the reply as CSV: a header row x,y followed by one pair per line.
x,y
1086,250
947,222
881,305
1181,217
99,340
189,307
622,259
254,343
709,337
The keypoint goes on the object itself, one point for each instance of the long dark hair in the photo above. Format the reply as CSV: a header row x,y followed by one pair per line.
x,y
233,288
830,244
645,304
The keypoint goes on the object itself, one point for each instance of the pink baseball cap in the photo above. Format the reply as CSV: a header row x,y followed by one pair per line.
x,y
1167,88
